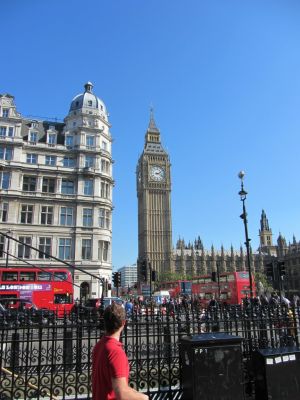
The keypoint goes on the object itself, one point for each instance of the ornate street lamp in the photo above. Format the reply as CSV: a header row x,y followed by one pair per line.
x,y
243,195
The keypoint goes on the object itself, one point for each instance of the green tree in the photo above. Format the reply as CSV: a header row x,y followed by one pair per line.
x,y
261,282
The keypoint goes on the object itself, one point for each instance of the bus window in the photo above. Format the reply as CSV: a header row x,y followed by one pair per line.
x,y
204,280
60,276
224,278
243,275
9,276
7,296
27,276
44,276
245,292
225,296
62,299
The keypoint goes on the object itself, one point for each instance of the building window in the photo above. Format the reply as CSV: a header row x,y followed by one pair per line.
x,y
89,161
4,180
48,185
2,246
2,131
66,216
103,250
5,112
45,246
64,250
50,160
23,250
68,162
105,190
90,141
90,103
26,214
3,212
87,217
88,187
105,166
67,186
104,218
29,183
47,215
104,145
51,138
31,158
5,153
86,253
69,141
33,136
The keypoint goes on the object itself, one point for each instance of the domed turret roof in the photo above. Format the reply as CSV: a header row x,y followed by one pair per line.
x,y
88,100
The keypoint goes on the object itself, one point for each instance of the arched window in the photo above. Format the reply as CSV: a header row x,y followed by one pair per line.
x,y
84,291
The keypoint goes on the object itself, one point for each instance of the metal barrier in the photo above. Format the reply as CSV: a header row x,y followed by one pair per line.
x,y
52,359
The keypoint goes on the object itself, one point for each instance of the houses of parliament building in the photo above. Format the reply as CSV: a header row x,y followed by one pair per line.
x,y
153,177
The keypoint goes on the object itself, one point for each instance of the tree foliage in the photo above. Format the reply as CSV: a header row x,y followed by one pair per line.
x,y
261,280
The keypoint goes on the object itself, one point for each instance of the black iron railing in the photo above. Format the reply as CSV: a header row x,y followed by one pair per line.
x,y
51,358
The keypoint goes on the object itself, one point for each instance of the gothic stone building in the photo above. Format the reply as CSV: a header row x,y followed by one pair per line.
x,y
56,189
193,259
155,230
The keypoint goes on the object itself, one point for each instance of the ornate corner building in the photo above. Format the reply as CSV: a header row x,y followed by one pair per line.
x,y
56,189
153,180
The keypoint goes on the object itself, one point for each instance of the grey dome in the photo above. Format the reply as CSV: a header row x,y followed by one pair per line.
x,y
88,101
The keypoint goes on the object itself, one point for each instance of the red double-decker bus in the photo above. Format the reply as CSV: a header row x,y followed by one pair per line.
x,y
50,288
232,287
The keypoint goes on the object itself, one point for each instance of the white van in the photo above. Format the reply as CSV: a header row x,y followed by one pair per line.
x,y
161,296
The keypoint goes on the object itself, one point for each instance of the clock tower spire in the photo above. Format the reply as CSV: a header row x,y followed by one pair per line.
x,y
154,204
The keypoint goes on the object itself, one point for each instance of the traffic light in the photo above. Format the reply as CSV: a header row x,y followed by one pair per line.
x,y
270,270
214,276
153,276
118,279
115,279
144,270
281,268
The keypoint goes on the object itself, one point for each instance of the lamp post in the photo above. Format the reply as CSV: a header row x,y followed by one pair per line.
x,y
7,247
243,195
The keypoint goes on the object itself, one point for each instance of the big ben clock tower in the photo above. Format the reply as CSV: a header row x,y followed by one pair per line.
x,y
154,204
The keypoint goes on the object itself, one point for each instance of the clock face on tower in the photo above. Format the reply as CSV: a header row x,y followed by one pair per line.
x,y
157,173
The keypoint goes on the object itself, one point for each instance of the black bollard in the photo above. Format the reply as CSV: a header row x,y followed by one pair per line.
x,y
15,349
68,351
167,342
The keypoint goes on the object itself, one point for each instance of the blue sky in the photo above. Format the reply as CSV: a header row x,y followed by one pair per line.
x,y
224,80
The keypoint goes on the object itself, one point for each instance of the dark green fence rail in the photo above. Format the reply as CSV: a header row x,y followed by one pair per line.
x,y
51,359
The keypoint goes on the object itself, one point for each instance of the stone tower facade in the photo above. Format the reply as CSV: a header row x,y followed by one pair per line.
x,y
265,233
153,181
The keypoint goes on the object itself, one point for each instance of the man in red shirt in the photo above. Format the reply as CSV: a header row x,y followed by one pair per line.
x,y
110,368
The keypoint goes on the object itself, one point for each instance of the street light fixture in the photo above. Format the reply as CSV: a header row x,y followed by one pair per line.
x,y
243,195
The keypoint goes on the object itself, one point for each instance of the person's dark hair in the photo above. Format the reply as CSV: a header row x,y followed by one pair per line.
x,y
114,316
